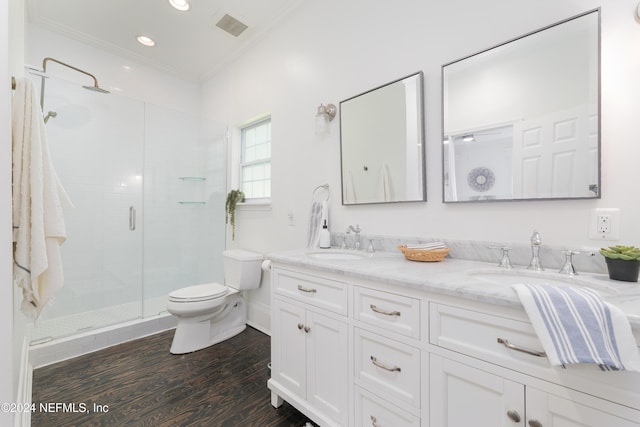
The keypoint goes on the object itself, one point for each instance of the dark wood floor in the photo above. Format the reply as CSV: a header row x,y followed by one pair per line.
x,y
142,384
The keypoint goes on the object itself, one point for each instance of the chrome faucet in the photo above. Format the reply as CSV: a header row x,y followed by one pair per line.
x,y
505,262
536,241
568,267
371,247
357,231
343,240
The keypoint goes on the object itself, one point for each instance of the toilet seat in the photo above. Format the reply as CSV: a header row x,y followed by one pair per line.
x,y
205,292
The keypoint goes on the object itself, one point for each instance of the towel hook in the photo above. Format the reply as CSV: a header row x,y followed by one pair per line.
x,y
323,186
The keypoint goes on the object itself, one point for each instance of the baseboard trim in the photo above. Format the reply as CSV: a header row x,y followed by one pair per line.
x,y
259,317
25,386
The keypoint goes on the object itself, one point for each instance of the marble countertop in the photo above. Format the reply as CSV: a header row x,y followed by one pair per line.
x,y
475,280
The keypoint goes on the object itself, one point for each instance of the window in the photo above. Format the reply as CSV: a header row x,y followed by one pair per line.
x,y
255,160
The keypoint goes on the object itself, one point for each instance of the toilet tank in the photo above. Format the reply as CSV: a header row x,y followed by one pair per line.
x,y
242,269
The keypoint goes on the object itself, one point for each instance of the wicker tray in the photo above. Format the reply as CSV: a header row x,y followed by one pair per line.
x,y
424,255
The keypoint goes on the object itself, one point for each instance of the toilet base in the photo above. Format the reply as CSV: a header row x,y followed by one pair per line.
x,y
193,334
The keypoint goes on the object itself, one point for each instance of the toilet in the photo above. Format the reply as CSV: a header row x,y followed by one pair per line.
x,y
210,313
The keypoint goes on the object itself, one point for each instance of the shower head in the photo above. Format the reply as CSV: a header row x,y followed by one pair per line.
x,y
49,115
96,88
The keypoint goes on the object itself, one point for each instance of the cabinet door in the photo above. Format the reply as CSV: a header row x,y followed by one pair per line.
x,y
463,396
288,364
327,370
548,410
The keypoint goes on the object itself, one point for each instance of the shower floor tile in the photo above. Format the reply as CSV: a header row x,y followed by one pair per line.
x,y
47,329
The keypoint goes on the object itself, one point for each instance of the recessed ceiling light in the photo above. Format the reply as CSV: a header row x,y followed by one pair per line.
x,y
147,41
182,5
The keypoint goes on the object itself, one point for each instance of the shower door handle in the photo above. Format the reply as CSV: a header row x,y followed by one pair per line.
x,y
132,218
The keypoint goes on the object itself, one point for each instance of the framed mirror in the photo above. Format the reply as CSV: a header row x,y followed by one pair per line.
x,y
381,144
521,120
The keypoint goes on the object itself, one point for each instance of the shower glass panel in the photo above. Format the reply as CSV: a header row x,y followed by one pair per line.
x,y
96,143
148,186
184,187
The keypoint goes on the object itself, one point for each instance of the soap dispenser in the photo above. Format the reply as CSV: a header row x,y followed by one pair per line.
x,y
325,236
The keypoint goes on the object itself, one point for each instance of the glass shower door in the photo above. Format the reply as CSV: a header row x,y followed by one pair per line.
x,y
97,145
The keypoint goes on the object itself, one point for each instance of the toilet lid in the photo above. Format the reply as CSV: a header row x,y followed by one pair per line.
x,y
199,292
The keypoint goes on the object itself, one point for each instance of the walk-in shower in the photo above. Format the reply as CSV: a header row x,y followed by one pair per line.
x,y
148,184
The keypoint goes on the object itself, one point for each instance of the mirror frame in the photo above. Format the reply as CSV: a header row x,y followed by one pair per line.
x,y
422,139
598,109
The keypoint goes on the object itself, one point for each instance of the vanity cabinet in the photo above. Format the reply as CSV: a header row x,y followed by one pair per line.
x,y
505,398
465,396
387,359
348,351
309,347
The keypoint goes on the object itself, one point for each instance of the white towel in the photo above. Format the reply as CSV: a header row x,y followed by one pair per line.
x,y
315,224
385,186
38,197
432,245
575,325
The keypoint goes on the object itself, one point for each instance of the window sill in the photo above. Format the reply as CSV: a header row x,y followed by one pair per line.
x,y
263,205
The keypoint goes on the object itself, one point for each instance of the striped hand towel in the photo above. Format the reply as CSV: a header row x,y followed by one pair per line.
x,y
575,325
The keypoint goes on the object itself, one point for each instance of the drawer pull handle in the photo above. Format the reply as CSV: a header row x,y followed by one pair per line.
x,y
535,423
385,312
308,290
507,344
514,416
374,360
374,421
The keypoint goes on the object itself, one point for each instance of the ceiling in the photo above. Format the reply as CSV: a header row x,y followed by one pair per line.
x,y
188,44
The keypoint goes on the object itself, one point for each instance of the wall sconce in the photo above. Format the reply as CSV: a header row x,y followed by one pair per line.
x,y
323,117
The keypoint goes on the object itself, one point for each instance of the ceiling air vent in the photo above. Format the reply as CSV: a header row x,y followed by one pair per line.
x,y
231,25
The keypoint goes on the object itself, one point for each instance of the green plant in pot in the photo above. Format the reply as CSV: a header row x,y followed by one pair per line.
x,y
623,262
233,198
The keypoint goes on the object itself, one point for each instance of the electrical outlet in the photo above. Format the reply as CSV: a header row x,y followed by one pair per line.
x,y
604,224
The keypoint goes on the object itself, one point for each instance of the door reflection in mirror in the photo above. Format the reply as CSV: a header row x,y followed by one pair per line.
x,y
528,111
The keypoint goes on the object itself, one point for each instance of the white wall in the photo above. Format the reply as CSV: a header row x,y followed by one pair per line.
x,y
12,331
6,294
331,50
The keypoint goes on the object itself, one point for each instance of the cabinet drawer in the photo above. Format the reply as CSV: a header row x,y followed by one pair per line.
x,y
323,293
373,411
393,312
478,334
387,368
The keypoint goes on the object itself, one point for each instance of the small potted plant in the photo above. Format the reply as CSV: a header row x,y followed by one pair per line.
x,y
233,198
623,262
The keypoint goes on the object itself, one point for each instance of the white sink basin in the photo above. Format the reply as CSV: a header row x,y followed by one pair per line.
x,y
513,276
333,254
